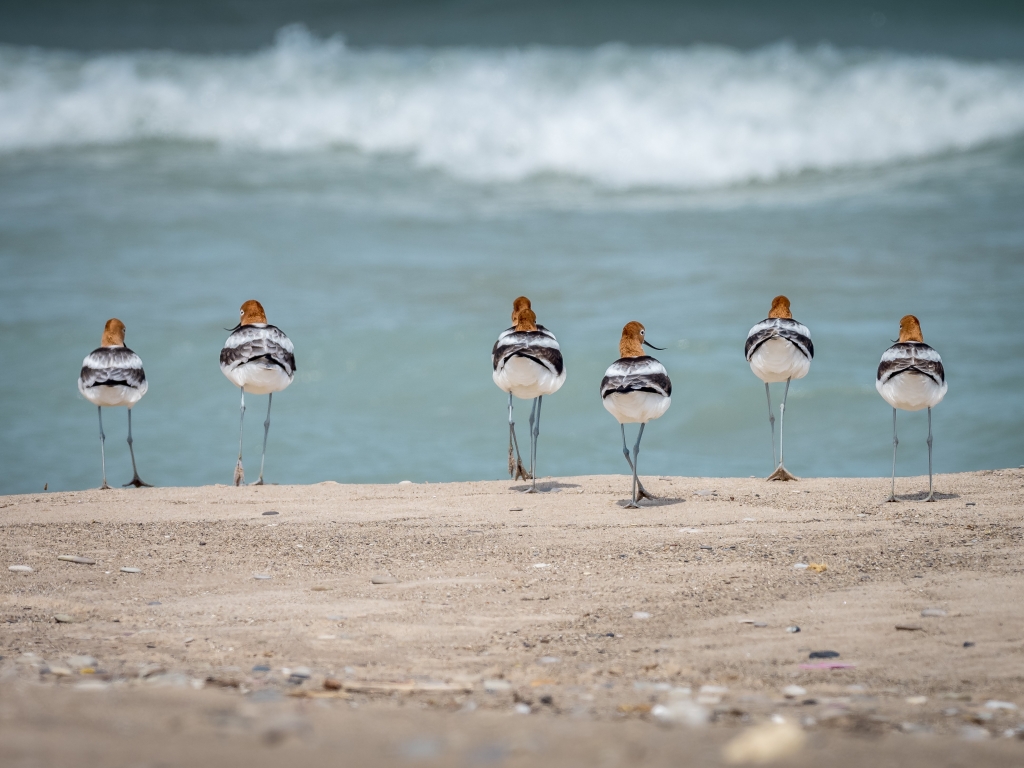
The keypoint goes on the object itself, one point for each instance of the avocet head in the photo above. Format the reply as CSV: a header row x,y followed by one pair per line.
x,y
632,342
910,329
251,312
113,333
780,308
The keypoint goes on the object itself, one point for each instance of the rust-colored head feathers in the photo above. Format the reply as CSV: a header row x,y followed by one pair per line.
x,y
780,308
632,342
523,317
910,329
113,333
252,312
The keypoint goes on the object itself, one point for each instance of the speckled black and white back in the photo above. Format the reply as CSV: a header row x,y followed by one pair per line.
x,y
527,363
636,389
112,376
910,376
258,357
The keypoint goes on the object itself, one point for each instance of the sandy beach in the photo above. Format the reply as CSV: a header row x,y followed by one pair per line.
x,y
514,629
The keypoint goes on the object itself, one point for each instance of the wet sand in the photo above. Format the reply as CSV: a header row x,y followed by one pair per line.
x,y
512,629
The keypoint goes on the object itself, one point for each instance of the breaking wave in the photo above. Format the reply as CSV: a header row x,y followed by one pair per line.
x,y
616,115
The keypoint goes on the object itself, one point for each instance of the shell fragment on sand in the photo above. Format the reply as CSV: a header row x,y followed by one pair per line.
x,y
933,612
383,579
20,568
64,618
77,559
829,665
126,569
410,686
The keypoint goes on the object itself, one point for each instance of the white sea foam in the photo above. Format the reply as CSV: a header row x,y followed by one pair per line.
x,y
617,116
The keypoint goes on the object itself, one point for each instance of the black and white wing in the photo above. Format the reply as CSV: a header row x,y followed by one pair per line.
x,y
636,374
539,346
913,356
112,366
261,342
779,328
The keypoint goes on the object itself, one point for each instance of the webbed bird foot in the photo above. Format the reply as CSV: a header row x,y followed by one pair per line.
x,y
516,470
137,482
782,474
104,487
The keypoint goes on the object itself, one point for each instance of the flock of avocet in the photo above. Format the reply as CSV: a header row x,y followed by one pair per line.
x,y
527,362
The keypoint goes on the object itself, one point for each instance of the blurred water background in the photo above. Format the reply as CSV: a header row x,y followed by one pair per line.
x,y
386,177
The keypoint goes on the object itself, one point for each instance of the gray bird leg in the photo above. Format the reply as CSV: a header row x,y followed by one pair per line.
x,y
644,493
536,436
636,463
781,473
515,462
534,424
931,492
239,470
895,442
103,457
771,422
136,480
782,426
266,431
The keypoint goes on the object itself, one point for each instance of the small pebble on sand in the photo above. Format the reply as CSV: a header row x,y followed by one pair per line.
x,y
641,615
383,579
64,618
933,612
131,570
792,628
262,576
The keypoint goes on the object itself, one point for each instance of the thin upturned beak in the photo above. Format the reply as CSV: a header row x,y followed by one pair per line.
x,y
652,346
235,328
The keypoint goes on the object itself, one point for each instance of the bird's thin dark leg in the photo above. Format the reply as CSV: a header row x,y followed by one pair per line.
x,y
136,480
103,457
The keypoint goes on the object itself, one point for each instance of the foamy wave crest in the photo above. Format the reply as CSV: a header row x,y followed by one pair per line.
x,y
615,115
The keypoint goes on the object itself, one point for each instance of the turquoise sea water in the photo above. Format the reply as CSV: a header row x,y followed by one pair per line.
x,y
387,204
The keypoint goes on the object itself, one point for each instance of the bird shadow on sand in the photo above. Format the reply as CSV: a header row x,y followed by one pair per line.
x,y
552,486
922,495
659,502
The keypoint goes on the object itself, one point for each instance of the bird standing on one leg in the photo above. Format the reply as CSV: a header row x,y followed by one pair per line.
x,y
635,389
111,376
527,363
779,349
259,358
911,377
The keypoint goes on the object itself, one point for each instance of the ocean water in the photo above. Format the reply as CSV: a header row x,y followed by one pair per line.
x,y
387,202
